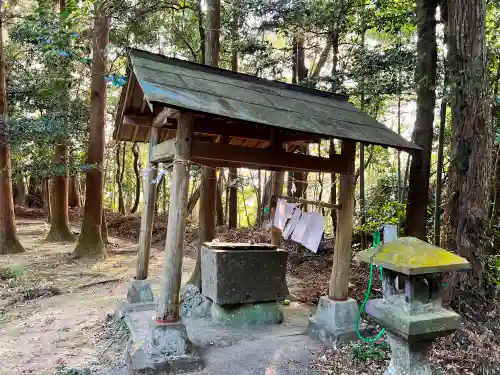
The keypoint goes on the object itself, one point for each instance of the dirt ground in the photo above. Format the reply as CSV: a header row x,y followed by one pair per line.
x,y
55,311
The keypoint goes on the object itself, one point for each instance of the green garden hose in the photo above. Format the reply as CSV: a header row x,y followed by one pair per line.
x,y
376,242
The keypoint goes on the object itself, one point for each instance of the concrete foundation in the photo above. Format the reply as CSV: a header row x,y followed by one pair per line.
x,y
243,273
408,358
165,350
247,314
335,322
139,291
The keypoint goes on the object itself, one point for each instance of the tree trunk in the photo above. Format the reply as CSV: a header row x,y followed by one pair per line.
x,y
362,208
20,192
59,228
74,199
425,77
466,209
233,172
495,191
46,198
104,229
362,159
208,194
9,244
119,176
193,199
439,173
90,242
219,205
233,198
137,172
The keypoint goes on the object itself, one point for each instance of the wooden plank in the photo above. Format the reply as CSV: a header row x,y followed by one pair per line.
x,y
167,310
163,151
277,189
134,136
265,158
147,213
135,120
160,119
339,281
219,128
313,203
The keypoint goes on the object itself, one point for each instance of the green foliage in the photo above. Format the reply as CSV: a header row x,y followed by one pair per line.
x,y
7,273
64,370
368,352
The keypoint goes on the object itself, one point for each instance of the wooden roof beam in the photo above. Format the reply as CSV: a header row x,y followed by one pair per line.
x,y
222,155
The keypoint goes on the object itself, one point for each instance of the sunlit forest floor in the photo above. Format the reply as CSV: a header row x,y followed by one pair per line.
x,y
56,312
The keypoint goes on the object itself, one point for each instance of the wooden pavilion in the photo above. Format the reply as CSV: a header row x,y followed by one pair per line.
x,y
195,113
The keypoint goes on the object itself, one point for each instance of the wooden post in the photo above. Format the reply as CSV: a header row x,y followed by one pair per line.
x,y
147,212
342,257
168,302
277,188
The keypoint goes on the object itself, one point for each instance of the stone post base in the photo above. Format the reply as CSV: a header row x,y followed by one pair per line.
x,y
334,323
408,358
139,291
166,350
139,298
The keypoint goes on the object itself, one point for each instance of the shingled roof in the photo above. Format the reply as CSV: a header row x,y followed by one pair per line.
x,y
225,94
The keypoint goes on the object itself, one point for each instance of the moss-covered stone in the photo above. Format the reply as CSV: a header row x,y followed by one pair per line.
x,y
412,256
247,314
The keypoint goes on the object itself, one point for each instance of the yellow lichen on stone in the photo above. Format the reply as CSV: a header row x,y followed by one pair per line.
x,y
412,256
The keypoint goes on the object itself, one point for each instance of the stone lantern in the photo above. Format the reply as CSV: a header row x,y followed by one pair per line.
x,y
411,308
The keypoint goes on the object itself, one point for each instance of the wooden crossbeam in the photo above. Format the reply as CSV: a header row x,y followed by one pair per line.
x,y
163,151
225,155
217,127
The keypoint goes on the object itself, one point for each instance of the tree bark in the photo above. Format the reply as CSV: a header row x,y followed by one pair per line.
x,y
104,229
137,172
119,179
362,207
20,192
233,172
90,242
193,199
59,228
46,198
420,167
466,209
219,205
208,193
9,243
439,174
74,199
495,191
